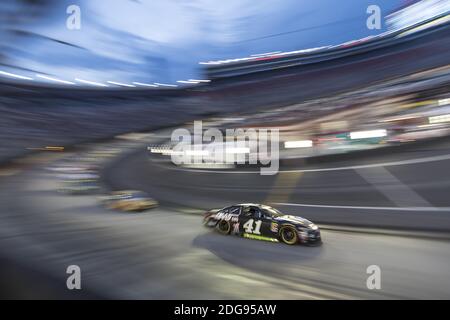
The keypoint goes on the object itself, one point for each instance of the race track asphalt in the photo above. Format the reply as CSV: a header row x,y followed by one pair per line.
x,y
165,253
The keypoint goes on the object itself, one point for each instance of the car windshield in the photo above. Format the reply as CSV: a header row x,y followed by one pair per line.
x,y
271,211
139,195
131,195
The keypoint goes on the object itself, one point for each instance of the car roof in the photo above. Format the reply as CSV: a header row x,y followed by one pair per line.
x,y
127,192
250,204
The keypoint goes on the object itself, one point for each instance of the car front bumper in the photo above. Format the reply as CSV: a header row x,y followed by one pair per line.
x,y
310,236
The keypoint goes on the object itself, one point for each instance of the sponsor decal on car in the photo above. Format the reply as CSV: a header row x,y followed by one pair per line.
x,y
236,228
226,216
274,227
258,237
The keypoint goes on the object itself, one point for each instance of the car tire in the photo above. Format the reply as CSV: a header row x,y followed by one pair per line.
x,y
288,235
224,227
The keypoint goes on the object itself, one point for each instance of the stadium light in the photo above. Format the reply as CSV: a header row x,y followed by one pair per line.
x,y
93,83
145,84
187,82
54,79
298,144
439,119
444,102
368,134
165,84
12,75
121,84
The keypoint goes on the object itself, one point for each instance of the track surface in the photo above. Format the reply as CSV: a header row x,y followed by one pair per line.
x,y
165,254
404,189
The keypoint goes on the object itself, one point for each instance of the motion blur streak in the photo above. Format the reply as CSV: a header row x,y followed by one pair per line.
x,y
86,176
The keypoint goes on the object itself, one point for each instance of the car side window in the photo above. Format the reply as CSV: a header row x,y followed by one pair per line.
x,y
246,212
235,210
265,214
256,213
223,211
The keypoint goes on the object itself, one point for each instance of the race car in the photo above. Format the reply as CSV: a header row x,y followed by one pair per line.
x,y
261,222
129,201
78,183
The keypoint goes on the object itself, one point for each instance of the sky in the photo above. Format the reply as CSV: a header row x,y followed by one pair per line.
x,y
151,41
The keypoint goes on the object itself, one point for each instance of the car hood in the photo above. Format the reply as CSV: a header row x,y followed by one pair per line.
x,y
293,219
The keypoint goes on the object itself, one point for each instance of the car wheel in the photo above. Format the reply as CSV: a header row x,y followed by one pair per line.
x,y
288,235
224,227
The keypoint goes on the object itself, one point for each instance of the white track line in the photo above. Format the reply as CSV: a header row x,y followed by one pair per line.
x,y
434,209
375,165
392,188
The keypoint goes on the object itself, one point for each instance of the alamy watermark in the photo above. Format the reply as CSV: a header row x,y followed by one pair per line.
x,y
237,146
73,21
373,22
374,280
73,282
